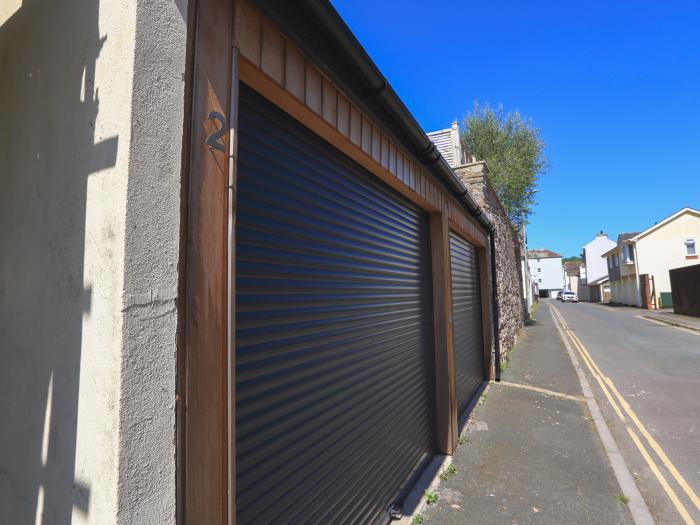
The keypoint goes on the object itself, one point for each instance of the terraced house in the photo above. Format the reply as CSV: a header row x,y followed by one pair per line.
x,y
640,263
547,270
240,283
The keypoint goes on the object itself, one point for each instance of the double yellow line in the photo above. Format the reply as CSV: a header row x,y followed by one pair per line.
x,y
624,411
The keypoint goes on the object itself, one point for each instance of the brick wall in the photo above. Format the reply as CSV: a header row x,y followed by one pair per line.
x,y
508,254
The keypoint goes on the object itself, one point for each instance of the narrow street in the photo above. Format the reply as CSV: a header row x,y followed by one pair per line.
x,y
595,421
297,263
531,453
656,370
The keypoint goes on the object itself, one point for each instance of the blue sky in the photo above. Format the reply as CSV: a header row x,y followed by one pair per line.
x,y
613,86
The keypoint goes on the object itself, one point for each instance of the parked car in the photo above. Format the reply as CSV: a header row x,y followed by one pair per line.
x,y
559,294
569,297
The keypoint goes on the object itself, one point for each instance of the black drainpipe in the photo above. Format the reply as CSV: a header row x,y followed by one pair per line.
x,y
496,313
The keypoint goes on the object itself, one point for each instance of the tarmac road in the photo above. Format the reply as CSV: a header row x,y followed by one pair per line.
x,y
655,370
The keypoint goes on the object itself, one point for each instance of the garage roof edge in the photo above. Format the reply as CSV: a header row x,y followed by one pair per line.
x,y
320,32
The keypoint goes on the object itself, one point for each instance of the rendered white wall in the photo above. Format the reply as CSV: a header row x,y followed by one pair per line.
x,y
664,249
548,273
147,423
596,265
91,115
624,291
572,283
67,71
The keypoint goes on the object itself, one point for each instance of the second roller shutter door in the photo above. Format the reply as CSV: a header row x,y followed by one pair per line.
x,y
466,319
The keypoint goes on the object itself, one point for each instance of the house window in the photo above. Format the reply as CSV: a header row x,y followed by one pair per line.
x,y
630,253
690,249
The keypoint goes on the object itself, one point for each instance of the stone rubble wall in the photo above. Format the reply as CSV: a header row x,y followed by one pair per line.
x,y
509,253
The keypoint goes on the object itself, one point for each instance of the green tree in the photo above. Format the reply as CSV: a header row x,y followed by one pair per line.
x,y
514,153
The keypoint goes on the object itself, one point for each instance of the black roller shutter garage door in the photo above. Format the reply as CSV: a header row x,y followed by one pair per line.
x,y
466,319
334,360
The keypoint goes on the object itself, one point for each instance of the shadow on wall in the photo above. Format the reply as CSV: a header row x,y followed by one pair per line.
x,y
48,148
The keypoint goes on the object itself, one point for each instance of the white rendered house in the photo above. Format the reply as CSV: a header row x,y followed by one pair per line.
x,y
547,270
596,277
640,262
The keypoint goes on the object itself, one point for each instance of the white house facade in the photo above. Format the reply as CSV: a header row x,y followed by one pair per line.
x,y
624,285
596,277
639,264
671,243
547,270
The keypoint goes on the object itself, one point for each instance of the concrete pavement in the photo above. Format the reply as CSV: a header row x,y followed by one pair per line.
x,y
531,453
682,321
655,370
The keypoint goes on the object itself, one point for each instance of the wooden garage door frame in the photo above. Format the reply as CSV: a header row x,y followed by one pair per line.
x,y
205,417
205,480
